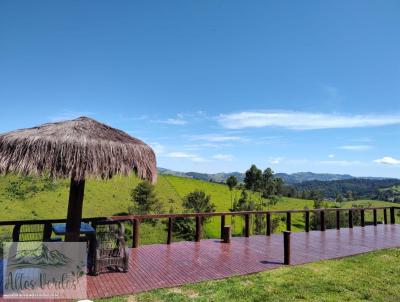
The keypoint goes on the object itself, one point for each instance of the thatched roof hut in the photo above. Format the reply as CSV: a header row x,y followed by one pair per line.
x,y
76,149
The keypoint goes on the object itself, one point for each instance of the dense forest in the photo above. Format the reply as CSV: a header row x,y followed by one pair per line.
x,y
351,189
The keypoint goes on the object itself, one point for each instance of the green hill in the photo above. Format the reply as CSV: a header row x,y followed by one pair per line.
x,y
36,198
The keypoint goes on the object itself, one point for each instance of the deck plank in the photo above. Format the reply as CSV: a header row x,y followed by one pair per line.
x,y
161,265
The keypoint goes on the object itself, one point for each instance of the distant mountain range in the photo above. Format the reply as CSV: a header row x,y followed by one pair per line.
x,y
293,178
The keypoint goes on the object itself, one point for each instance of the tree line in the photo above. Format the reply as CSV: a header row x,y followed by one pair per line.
x,y
259,191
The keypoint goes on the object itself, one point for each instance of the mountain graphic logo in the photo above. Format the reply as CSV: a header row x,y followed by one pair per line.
x,y
40,256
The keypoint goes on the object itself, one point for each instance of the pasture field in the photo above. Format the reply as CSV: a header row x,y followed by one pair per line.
x,y
40,198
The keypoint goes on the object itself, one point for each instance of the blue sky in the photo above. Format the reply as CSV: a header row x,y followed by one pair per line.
x,y
215,85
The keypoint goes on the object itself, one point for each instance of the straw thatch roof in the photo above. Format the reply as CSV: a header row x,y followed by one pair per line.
x,y
76,149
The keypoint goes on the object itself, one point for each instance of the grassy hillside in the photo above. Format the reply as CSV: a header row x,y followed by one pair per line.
x,y
34,198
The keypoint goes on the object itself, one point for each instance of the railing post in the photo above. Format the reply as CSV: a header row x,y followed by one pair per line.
x,y
198,228
350,219
269,224
222,225
136,233
362,218
247,225
286,247
322,216
338,219
392,217
288,221
385,216
169,238
375,217
227,234
307,222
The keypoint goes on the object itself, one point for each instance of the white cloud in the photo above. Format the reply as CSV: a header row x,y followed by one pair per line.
x,y
158,148
179,155
173,121
190,156
331,155
226,157
275,160
195,147
356,147
387,160
303,120
216,138
344,163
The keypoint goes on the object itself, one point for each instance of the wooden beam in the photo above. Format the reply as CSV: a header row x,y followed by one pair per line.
x,y
307,222
136,233
392,216
74,216
337,219
247,225
362,218
286,247
351,219
198,228
222,225
322,221
288,221
269,224
169,236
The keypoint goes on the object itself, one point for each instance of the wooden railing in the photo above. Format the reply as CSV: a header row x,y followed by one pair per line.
x,y
136,220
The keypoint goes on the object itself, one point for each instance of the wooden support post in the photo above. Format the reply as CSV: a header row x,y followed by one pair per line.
x,y
338,219
136,233
392,216
322,218
350,219
385,216
169,238
198,229
307,222
288,221
222,225
375,218
227,234
362,217
247,225
74,216
286,247
269,224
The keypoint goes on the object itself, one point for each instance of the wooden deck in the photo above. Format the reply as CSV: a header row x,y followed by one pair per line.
x,y
160,265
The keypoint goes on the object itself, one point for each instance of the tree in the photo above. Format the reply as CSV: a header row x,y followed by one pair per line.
x,y
145,199
232,183
349,195
198,202
339,200
243,204
253,178
268,183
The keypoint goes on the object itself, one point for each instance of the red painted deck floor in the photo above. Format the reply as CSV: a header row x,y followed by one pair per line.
x,y
160,265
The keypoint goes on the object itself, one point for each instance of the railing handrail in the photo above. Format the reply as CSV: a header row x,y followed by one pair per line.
x,y
40,221
240,213
188,215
